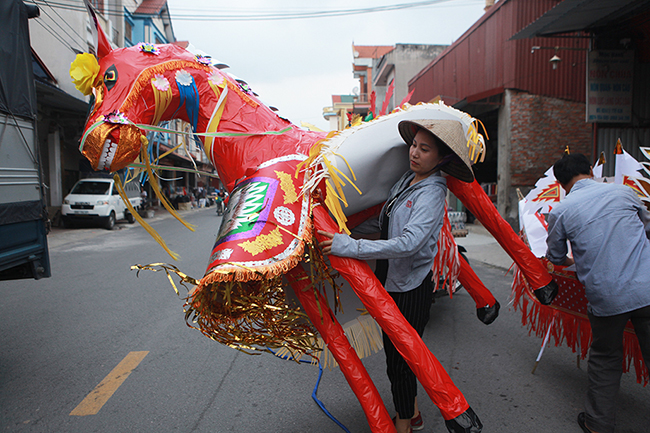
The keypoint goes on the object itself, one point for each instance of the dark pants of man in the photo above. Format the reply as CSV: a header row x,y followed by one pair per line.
x,y
605,365
414,305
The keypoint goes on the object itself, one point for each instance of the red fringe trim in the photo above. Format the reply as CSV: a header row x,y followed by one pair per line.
x,y
446,263
570,328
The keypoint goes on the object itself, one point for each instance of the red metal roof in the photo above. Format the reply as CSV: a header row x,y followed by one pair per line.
x,y
182,44
371,51
150,7
483,61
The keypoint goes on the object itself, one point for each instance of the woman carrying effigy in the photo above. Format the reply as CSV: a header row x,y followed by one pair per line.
x,y
410,224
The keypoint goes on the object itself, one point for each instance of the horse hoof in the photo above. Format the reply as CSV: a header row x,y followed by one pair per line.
x,y
488,314
466,422
546,294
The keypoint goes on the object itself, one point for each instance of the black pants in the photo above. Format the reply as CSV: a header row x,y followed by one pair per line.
x,y
414,305
605,365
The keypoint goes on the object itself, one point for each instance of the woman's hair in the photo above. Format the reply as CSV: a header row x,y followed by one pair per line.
x,y
570,166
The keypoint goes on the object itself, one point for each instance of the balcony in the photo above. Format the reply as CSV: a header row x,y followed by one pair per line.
x,y
361,104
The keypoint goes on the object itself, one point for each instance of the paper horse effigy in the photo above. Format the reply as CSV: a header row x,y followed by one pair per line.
x,y
284,184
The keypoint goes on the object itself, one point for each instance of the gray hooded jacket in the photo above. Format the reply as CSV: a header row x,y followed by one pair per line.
x,y
414,227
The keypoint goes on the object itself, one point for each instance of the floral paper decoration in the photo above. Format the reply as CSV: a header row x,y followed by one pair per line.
x,y
117,118
183,78
204,60
216,79
84,72
161,83
148,48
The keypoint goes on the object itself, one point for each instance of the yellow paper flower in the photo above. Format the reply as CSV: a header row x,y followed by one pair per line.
x,y
84,71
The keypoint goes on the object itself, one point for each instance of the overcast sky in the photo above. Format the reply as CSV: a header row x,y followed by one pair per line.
x,y
296,65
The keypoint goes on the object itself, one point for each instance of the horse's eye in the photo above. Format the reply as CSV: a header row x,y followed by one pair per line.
x,y
110,77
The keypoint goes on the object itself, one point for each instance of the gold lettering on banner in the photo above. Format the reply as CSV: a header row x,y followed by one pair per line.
x,y
286,184
263,242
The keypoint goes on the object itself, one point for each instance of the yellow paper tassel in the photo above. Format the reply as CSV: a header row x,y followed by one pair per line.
x,y
154,234
334,191
156,188
162,101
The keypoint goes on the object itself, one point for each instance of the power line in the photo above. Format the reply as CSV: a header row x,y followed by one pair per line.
x,y
271,16
72,7
213,15
65,21
55,21
56,36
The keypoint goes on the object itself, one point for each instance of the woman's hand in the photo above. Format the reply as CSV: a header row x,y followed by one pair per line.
x,y
326,245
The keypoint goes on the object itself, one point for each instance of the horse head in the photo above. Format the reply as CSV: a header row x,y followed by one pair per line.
x,y
123,85
135,88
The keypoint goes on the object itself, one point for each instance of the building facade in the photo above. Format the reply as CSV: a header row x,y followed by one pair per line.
x,y
58,35
395,69
531,104
383,72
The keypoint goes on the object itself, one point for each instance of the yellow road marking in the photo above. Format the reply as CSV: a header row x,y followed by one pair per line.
x,y
102,392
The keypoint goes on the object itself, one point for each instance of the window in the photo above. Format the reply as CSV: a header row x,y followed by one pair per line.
x,y
98,4
128,30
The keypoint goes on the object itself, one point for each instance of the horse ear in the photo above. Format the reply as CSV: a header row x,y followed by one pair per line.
x,y
102,45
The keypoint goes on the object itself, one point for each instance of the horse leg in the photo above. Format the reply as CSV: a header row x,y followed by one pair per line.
x,y
475,199
332,333
487,307
406,340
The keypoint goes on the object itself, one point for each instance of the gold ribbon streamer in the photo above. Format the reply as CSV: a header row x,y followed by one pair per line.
x,y
154,234
163,99
334,195
156,188
213,124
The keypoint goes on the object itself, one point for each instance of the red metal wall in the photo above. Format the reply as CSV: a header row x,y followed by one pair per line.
x,y
484,60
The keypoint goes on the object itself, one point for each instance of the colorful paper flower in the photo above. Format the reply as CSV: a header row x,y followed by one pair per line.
x,y
117,118
84,72
216,78
204,60
183,78
161,83
148,48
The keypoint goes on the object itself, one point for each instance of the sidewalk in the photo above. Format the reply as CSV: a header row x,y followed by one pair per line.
x,y
483,248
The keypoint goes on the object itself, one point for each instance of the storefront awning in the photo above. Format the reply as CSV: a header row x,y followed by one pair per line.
x,y
582,15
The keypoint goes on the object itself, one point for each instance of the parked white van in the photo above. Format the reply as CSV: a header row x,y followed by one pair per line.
x,y
97,200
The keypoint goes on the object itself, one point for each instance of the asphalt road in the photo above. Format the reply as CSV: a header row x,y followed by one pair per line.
x,y
63,336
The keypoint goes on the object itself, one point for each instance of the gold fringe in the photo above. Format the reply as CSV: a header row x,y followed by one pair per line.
x,y
253,315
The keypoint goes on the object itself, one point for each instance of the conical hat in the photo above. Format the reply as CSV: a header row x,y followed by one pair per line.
x,y
450,132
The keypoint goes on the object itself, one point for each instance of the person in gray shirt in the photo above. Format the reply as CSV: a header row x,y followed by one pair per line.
x,y
608,228
410,223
